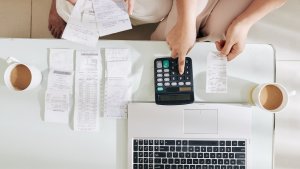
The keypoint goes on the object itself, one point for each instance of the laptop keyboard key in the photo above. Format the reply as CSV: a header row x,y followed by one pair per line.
x,y
240,155
240,162
170,142
238,149
241,143
159,166
234,143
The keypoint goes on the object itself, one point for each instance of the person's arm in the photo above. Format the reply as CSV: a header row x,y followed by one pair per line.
x,y
183,35
238,30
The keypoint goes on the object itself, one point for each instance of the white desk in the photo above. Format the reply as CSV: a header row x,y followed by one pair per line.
x,y
28,142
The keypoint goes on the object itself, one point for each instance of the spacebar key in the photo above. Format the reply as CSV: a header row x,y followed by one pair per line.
x,y
159,167
203,143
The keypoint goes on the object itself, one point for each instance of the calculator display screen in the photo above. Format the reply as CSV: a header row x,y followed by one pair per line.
x,y
175,97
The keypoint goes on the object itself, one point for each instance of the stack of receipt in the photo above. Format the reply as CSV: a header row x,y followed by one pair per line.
x,y
117,91
93,18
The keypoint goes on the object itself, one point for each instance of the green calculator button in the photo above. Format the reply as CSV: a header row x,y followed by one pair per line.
x,y
160,89
166,64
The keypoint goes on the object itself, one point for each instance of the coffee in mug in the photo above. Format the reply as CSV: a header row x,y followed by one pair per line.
x,y
270,96
21,77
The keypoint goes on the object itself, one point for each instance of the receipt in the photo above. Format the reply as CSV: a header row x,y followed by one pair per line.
x,y
82,27
117,63
60,86
111,16
117,97
87,90
57,105
216,74
117,91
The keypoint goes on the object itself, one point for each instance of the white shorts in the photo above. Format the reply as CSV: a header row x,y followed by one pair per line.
x,y
214,16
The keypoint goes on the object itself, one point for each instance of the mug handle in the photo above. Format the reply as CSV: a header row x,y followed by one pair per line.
x,y
10,60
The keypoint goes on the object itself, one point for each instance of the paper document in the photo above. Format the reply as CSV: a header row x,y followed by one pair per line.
x,y
60,86
82,27
111,16
117,85
216,74
57,106
87,90
116,98
117,64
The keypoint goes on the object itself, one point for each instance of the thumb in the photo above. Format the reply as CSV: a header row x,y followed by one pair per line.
x,y
227,48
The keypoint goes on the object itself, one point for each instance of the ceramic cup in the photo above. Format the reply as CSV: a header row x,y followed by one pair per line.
x,y
272,97
21,77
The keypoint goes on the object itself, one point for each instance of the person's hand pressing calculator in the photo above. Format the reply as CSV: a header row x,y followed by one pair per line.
x,y
171,88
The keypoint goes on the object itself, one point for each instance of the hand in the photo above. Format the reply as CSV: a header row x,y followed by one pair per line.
x,y
130,4
234,44
180,40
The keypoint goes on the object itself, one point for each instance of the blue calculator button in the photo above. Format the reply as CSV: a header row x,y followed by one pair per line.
x,y
166,64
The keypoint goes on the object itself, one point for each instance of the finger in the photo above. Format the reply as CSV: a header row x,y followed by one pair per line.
x,y
231,56
236,50
227,48
218,45
130,4
181,63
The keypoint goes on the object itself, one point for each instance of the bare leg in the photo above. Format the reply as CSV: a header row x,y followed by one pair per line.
x,y
56,24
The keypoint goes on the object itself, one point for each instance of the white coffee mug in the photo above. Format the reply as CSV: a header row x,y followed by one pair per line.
x,y
21,77
272,97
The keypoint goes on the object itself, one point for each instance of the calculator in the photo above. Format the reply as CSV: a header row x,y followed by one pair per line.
x,y
171,88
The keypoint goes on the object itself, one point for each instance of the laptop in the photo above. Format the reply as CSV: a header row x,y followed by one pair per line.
x,y
194,136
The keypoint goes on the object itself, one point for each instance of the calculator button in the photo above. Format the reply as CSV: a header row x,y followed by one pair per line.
x,y
167,84
159,79
188,83
174,83
166,79
187,78
158,64
180,78
159,84
180,83
166,64
159,89
173,73
159,75
187,72
159,70
166,70
166,74
173,78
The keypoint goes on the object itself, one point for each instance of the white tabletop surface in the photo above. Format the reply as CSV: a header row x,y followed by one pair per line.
x,y
26,141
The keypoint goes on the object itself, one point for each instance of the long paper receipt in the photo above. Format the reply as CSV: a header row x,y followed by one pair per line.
x,y
216,75
87,90
60,86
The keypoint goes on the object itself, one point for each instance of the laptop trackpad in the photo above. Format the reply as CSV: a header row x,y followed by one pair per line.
x,y
198,121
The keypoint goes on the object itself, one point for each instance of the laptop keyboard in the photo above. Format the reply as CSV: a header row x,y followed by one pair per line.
x,y
189,154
